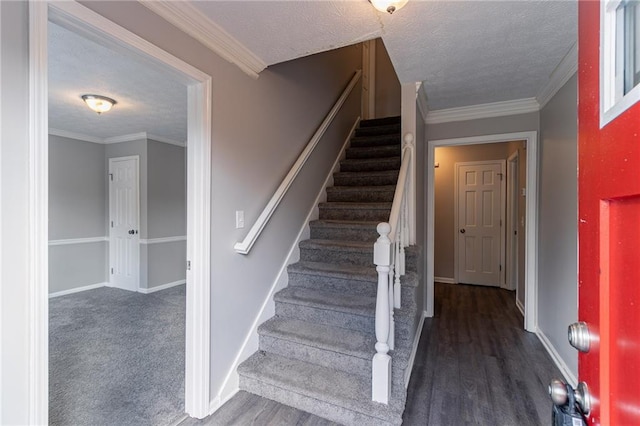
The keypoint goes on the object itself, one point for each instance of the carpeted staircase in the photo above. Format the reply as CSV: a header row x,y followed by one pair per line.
x,y
315,353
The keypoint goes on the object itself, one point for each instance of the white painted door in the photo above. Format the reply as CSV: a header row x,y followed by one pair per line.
x,y
124,237
480,211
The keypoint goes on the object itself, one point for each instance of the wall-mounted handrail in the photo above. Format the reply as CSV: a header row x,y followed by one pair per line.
x,y
389,258
245,245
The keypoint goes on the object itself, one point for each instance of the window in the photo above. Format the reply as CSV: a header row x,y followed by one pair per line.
x,y
619,57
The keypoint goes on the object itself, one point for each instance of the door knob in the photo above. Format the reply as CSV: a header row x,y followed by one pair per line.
x,y
579,336
462,231
559,393
131,232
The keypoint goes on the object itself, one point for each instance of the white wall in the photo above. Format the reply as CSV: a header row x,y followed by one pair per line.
x,y
558,231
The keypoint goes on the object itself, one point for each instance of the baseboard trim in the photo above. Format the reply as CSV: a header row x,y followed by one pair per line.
x,y
520,307
557,359
163,240
77,290
161,287
414,350
231,384
444,280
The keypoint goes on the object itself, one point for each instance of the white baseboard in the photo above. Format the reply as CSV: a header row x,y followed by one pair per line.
x,y
557,359
520,307
231,383
161,287
444,280
414,350
77,290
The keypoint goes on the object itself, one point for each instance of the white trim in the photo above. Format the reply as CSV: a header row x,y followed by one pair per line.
x,y
414,349
163,240
197,354
473,112
456,212
38,280
423,104
557,359
244,246
511,223
125,138
193,22
77,290
161,287
519,306
68,241
531,229
445,280
567,67
166,140
250,344
74,135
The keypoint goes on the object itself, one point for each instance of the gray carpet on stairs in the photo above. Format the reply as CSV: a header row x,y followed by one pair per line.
x,y
117,357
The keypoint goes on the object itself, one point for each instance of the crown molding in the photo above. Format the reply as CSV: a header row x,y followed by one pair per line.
x,y
473,112
74,135
421,98
193,22
115,139
567,67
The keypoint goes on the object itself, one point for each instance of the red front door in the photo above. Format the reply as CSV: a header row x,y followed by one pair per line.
x,y
609,239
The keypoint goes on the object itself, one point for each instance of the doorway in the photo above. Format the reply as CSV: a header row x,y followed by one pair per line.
x,y
530,143
86,22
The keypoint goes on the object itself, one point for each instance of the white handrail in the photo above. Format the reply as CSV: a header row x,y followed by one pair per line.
x,y
245,245
389,258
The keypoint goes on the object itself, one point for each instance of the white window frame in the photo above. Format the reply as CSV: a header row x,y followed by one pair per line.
x,y
612,102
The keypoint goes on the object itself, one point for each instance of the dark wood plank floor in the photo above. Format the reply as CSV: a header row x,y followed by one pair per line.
x,y
475,366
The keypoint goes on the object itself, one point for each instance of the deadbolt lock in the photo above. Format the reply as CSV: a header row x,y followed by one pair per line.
x,y
579,336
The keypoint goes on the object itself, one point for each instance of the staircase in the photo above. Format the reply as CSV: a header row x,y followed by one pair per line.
x,y
315,353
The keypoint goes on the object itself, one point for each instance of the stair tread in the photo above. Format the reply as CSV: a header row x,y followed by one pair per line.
x,y
363,188
325,384
382,121
334,223
372,173
354,272
345,245
327,300
355,205
335,339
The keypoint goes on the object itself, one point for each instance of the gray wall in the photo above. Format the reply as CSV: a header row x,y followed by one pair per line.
x,y
388,89
14,228
259,128
484,126
77,209
558,236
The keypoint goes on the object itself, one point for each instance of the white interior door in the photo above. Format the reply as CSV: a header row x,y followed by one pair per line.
x,y
480,211
124,237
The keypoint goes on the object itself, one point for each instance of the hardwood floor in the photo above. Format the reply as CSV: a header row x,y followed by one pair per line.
x,y
475,366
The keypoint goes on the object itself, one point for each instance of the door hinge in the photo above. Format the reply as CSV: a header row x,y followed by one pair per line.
x,y
500,222
111,271
111,176
500,267
501,175
112,224
188,265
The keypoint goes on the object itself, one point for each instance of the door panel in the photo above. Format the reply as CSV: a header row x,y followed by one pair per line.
x,y
480,210
609,240
124,238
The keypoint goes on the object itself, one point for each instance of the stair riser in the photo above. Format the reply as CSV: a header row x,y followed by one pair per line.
x,y
362,196
344,234
313,405
384,121
371,165
329,213
370,131
404,330
375,141
375,152
350,257
355,180
348,286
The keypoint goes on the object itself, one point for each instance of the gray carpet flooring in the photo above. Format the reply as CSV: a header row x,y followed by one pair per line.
x,y
117,357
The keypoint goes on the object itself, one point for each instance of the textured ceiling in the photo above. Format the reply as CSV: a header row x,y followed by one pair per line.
x,y
466,52
148,99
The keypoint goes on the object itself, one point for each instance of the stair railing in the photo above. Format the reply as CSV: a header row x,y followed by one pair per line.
x,y
389,258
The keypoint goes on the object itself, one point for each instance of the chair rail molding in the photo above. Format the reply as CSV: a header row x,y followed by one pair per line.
x,y
244,247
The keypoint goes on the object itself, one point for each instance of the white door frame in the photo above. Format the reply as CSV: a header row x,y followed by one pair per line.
x,y
531,229
456,207
197,350
112,250
512,222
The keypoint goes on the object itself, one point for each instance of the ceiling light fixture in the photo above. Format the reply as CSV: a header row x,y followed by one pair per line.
x,y
388,6
98,103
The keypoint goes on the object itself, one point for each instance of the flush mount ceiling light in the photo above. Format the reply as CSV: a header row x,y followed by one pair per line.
x,y
388,6
98,103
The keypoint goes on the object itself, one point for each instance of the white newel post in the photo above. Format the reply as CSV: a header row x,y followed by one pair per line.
x,y
381,365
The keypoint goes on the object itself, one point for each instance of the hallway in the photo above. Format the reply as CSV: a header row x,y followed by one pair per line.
x,y
476,364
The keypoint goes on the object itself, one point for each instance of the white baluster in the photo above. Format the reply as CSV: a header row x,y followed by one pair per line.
x,y
404,234
398,268
381,364
392,324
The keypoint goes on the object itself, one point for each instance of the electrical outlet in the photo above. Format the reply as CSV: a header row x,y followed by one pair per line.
x,y
239,219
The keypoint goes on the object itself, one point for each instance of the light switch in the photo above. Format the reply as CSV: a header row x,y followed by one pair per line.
x,y
239,219
523,192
